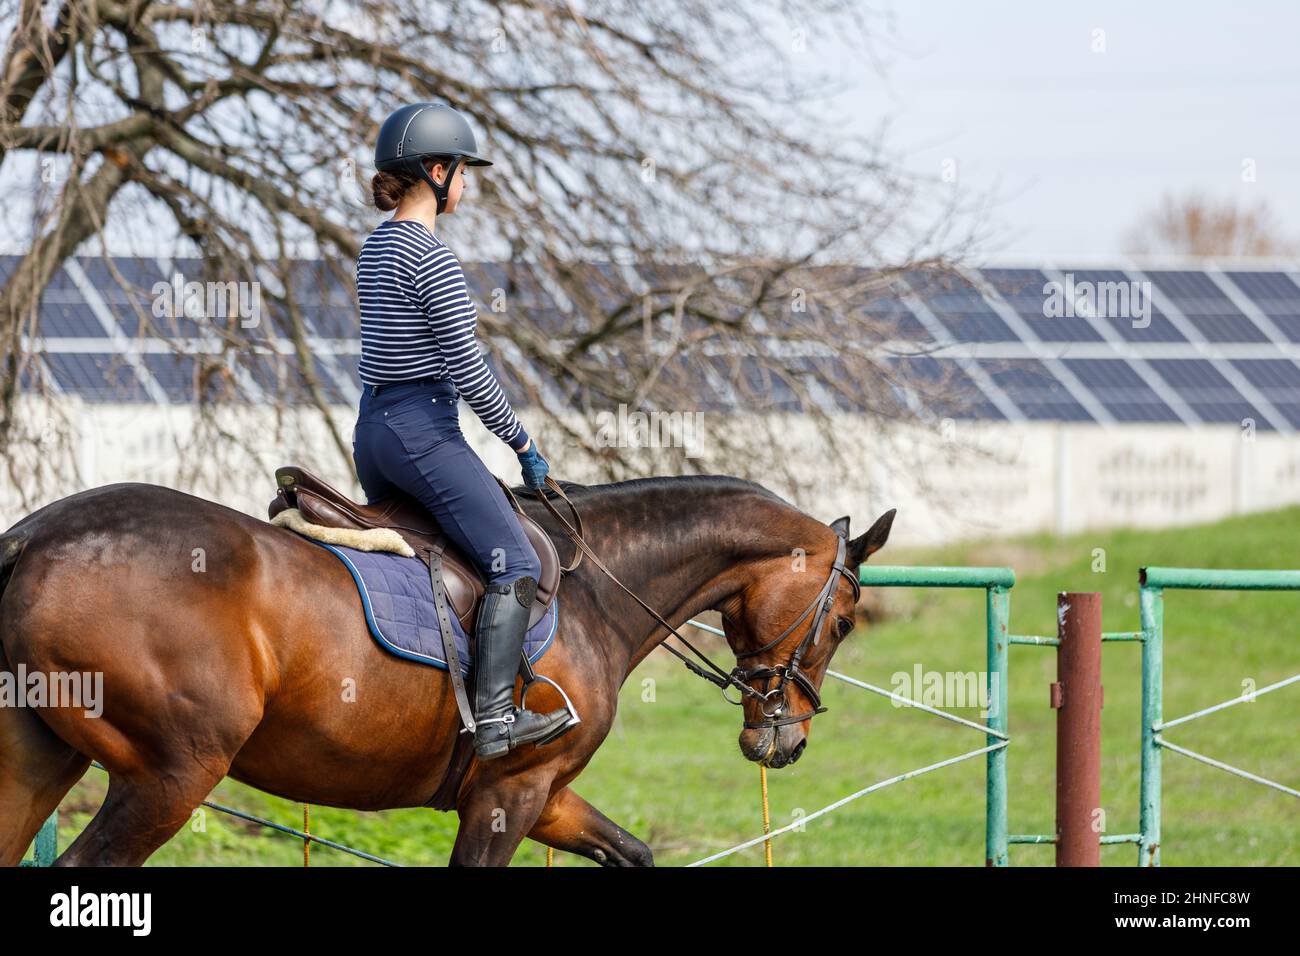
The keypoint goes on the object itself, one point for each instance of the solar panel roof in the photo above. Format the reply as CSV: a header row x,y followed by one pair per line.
x,y
1032,343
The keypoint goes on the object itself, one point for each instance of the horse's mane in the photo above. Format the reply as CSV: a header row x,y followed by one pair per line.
x,y
675,484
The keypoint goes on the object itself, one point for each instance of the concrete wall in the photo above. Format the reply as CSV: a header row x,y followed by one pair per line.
x,y
959,480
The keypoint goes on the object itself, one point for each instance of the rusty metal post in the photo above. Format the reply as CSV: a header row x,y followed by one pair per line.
x,y
1077,695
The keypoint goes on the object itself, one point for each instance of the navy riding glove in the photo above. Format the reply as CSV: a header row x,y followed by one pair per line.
x,y
533,466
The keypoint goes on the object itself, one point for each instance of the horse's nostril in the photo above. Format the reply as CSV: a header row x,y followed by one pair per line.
x,y
794,754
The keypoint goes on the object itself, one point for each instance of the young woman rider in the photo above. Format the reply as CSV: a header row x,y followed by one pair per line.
x,y
419,355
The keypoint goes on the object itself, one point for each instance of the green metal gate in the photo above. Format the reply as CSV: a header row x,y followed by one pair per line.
x,y
1154,582
997,584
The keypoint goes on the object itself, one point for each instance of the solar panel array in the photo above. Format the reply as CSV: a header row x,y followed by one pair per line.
x,y
1187,346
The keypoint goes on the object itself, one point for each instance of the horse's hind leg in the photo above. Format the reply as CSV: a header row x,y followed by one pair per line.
x,y
142,811
155,780
36,770
570,823
155,783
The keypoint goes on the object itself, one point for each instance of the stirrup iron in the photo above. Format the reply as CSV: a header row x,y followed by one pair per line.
x,y
531,677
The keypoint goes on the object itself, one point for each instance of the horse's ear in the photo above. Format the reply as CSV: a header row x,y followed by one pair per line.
x,y
864,546
841,526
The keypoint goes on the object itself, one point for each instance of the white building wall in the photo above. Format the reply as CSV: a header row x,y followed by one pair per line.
x,y
966,480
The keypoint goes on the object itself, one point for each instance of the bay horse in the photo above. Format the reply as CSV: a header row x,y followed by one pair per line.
x,y
229,646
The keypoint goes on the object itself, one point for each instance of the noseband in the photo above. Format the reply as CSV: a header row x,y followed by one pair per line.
x,y
738,677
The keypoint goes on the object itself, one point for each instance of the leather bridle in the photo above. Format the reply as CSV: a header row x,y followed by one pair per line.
x,y
791,672
739,677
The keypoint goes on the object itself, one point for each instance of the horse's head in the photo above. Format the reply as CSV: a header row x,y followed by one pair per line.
x,y
785,628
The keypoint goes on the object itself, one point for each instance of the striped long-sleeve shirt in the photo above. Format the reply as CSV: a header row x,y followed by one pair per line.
x,y
417,321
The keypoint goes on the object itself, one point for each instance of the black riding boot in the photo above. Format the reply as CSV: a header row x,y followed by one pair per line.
x,y
499,644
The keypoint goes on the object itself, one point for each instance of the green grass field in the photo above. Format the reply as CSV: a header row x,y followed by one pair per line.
x,y
671,771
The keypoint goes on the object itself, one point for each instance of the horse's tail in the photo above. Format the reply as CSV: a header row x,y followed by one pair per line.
x,y
12,543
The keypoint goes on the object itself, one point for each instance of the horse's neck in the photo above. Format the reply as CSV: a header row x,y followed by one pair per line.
x,y
681,555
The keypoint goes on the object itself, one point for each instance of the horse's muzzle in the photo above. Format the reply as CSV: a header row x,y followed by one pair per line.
x,y
773,747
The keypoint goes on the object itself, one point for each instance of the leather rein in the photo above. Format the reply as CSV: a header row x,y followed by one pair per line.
x,y
738,677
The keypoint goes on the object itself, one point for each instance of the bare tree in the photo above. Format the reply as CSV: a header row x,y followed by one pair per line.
x,y
690,219
1199,225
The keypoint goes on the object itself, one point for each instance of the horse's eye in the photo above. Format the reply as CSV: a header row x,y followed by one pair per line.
x,y
845,626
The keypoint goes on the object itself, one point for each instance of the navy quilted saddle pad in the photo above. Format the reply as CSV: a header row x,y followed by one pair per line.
x,y
398,599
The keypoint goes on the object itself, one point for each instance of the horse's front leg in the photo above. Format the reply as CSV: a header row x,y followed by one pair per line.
x,y
570,823
496,814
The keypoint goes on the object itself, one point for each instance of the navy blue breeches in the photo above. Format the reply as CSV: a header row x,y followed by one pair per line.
x,y
408,436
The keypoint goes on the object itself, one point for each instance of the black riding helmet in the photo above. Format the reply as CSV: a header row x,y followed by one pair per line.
x,y
421,130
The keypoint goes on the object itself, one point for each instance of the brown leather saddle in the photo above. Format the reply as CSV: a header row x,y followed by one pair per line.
x,y
456,583
323,505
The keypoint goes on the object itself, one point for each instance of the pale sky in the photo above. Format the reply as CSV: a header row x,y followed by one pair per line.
x,y
1078,143
1075,145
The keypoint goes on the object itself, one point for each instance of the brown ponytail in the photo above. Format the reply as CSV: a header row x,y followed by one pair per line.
x,y
389,186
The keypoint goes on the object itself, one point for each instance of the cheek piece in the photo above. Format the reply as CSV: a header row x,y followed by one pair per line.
x,y
440,190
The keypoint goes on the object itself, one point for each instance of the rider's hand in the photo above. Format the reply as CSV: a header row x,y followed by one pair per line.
x,y
533,466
